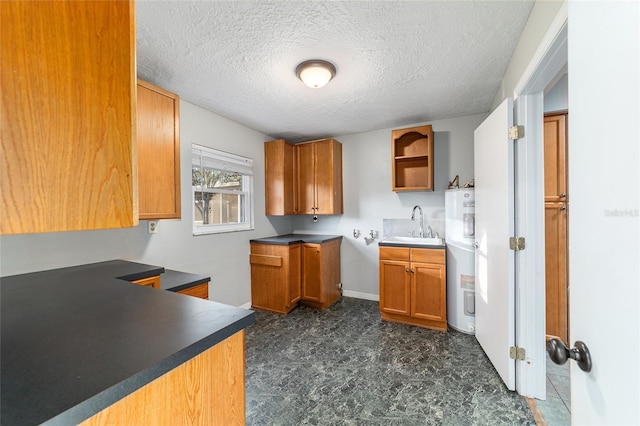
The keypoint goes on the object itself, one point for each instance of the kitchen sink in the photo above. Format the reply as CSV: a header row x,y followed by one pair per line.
x,y
415,241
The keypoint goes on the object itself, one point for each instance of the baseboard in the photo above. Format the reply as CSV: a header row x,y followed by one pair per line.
x,y
358,295
347,293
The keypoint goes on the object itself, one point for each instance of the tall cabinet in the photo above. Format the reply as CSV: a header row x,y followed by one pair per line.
x,y
556,209
67,116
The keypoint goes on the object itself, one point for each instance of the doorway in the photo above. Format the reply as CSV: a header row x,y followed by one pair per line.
x,y
556,409
556,210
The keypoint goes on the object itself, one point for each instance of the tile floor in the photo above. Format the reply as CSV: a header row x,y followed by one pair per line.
x,y
556,410
344,366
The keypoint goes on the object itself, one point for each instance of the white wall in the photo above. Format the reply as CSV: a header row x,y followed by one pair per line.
x,y
557,98
368,197
224,257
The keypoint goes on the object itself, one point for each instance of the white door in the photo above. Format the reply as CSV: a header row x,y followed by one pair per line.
x,y
494,186
604,180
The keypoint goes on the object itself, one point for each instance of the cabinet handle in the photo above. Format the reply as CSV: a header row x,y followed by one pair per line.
x,y
406,269
563,208
413,271
563,195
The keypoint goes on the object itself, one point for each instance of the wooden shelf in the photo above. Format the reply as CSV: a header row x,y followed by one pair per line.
x,y
412,165
411,157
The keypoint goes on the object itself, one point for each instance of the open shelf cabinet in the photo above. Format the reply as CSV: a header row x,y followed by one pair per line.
x,y
412,162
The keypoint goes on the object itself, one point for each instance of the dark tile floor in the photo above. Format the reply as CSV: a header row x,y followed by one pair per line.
x,y
556,410
344,366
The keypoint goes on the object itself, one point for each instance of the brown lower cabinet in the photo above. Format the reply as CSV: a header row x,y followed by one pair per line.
x,y
284,275
413,286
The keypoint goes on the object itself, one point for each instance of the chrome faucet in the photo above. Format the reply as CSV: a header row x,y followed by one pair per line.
x,y
413,217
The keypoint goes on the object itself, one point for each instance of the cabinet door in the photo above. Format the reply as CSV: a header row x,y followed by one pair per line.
x,y
269,273
428,291
306,178
158,153
555,177
395,287
328,166
312,272
279,169
556,270
295,265
67,113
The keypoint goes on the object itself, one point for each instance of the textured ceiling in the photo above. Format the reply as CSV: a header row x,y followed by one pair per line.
x,y
398,62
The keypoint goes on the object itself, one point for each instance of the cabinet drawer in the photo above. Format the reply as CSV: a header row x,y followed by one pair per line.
x,y
153,281
264,259
428,255
394,253
200,290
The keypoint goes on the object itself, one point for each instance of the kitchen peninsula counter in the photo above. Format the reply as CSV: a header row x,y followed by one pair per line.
x,y
77,340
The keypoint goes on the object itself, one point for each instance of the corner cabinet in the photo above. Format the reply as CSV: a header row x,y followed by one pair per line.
x,y
67,116
319,177
283,275
158,152
413,286
412,159
280,185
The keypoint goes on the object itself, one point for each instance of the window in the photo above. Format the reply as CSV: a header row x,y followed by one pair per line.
x,y
222,191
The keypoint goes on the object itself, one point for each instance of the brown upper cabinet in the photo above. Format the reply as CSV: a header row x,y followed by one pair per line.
x,y
319,167
158,152
303,179
68,116
280,190
412,159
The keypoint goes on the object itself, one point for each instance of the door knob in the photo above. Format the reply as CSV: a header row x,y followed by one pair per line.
x,y
559,353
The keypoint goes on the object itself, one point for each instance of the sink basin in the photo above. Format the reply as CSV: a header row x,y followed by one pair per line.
x,y
415,241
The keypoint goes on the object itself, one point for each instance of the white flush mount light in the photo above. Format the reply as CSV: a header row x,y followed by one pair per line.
x,y
315,73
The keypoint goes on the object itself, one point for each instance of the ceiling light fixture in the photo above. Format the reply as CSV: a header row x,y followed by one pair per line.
x,y
316,73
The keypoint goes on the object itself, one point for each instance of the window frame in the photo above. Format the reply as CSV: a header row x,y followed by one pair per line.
x,y
225,162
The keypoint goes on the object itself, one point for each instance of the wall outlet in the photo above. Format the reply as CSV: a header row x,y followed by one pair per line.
x,y
152,227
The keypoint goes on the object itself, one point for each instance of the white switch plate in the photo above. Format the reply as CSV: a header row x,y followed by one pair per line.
x,y
152,227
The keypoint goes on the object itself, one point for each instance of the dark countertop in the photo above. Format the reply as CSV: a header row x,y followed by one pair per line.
x,y
289,239
75,340
403,245
175,280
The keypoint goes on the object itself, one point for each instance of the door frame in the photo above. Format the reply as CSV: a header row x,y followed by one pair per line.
x,y
547,63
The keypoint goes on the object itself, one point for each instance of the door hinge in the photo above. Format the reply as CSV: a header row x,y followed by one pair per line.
x,y
516,243
516,132
519,354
